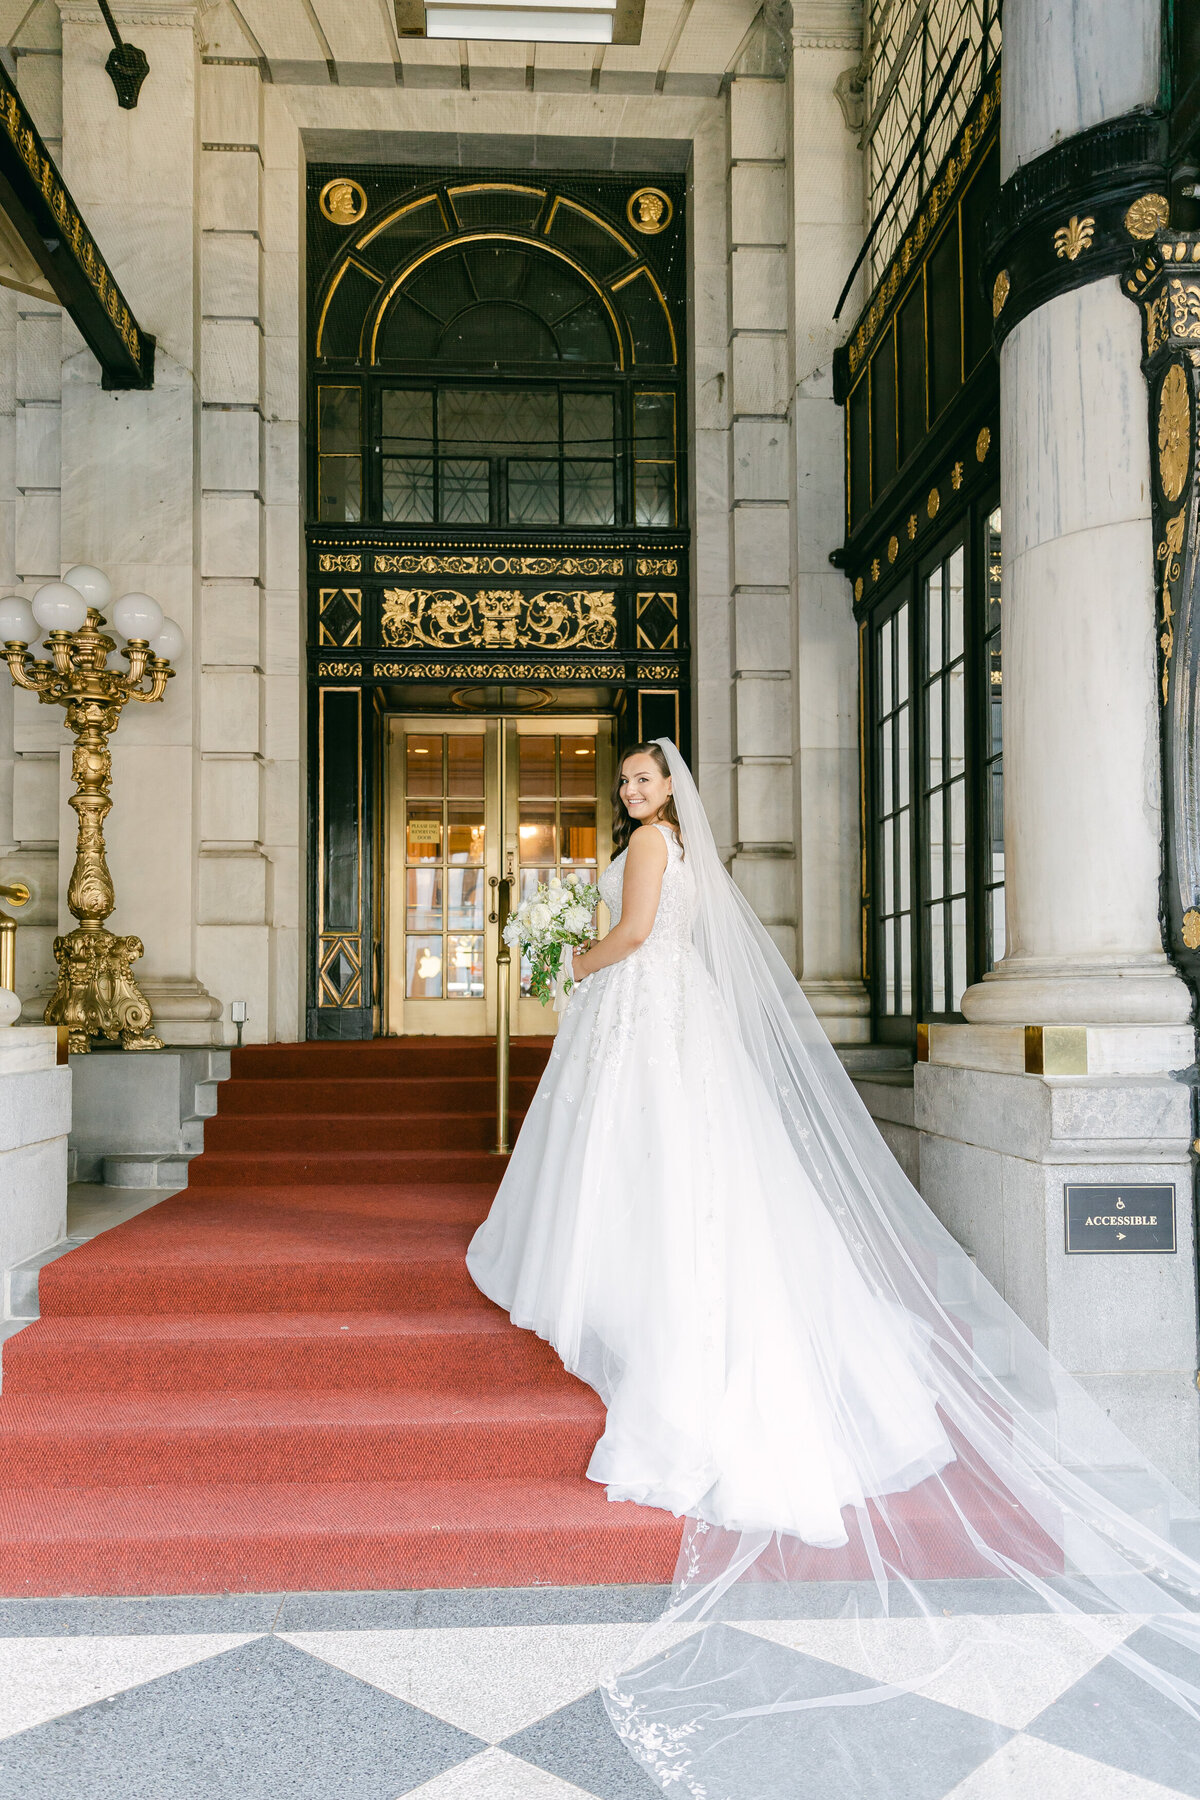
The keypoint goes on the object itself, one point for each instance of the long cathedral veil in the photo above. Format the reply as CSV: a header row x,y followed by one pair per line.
x,y
1047,1509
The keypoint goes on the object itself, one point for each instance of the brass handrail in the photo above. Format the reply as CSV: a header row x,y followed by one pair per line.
x,y
17,894
503,885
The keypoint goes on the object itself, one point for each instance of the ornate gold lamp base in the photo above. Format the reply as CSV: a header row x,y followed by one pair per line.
x,y
97,995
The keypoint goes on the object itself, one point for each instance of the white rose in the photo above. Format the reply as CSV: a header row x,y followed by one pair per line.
x,y
576,919
540,916
555,882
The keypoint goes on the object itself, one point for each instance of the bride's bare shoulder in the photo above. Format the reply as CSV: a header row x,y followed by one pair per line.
x,y
648,847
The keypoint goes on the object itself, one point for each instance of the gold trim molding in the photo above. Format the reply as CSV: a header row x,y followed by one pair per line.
x,y
459,671
499,619
500,565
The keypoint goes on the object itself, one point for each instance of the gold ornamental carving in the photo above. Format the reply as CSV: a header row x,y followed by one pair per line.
x,y
1168,554
1174,432
97,994
1157,325
893,548
475,671
956,476
983,444
1073,238
1185,308
499,619
339,565
579,566
1148,214
911,527
649,565
649,210
933,503
858,588
343,202
1191,928
1001,289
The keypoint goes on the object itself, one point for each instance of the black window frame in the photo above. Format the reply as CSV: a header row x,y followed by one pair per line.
x,y
969,526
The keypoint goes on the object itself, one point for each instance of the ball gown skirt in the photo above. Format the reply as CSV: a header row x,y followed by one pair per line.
x,y
655,1226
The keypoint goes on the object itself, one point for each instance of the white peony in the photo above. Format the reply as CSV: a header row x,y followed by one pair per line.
x,y
575,919
540,916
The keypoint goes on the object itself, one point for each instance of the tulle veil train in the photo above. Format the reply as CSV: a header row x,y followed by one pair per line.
x,y
1046,1509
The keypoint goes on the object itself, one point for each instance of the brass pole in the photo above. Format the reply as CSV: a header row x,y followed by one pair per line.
x,y
8,952
503,962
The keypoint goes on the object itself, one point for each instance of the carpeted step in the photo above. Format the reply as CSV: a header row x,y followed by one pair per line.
x,y
273,1168
347,1098
261,1537
105,1440
390,1057
184,1257
325,1131
473,1351
449,1202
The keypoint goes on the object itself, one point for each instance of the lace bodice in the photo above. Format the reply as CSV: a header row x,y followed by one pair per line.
x,y
676,903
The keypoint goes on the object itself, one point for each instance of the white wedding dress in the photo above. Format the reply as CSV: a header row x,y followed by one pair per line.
x,y
655,1225
702,1218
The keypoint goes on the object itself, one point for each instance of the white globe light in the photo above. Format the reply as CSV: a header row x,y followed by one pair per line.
x,y
169,641
93,584
17,623
57,607
137,616
115,660
10,1007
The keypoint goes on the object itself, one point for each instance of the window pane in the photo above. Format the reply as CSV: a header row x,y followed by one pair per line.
x,y
533,493
424,899
464,833
531,878
934,774
904,850
464,496
465,895
889,866
885,666
339,420
578,765
537,765
341,487
958,946
955,597
497,421
933,607
424,832
654,425
464,970
655,483
937,846
408,418
902,653
889,968
423,959
956,682
998,938
423,765
535,833
937,958
905,966
958,838
408,490
578,835
588,424
588,494
466,765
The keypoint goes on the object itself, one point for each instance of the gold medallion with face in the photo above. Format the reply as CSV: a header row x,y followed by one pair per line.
x,y
343,201
649,211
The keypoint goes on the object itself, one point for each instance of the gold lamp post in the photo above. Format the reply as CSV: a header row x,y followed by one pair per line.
x,y
97,995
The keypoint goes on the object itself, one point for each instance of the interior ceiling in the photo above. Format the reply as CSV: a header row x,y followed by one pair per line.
x,y
686,47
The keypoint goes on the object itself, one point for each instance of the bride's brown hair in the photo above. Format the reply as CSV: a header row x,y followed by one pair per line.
x,y
622,825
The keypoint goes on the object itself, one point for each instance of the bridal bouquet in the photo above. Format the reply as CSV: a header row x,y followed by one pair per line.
x,y
557,916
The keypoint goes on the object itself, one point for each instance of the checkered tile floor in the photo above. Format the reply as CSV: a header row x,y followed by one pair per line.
x,y
493,1697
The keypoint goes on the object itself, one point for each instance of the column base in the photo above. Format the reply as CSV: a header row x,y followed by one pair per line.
x,y
1045,990
184,1010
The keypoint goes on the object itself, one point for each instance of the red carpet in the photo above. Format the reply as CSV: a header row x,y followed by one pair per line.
x,y
283,1378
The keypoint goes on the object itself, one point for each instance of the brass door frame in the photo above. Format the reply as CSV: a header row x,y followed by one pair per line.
x,y
501,734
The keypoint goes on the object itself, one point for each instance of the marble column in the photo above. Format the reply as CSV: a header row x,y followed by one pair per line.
x,y
1081,734
130,467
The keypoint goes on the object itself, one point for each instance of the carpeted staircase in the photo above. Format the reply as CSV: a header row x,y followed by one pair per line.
x,y
283,1378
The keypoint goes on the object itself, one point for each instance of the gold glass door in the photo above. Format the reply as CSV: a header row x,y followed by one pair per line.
x,y
470,800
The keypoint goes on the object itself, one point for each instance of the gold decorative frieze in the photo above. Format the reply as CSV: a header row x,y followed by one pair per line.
x,y
339,617
657,672
464,671
1157,325
975,132
657,621
1073,238
657,565
1174,432
1148,214
339,565
425,564
499,619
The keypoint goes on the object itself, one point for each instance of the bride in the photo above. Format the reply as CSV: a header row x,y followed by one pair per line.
x,y
701,1218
